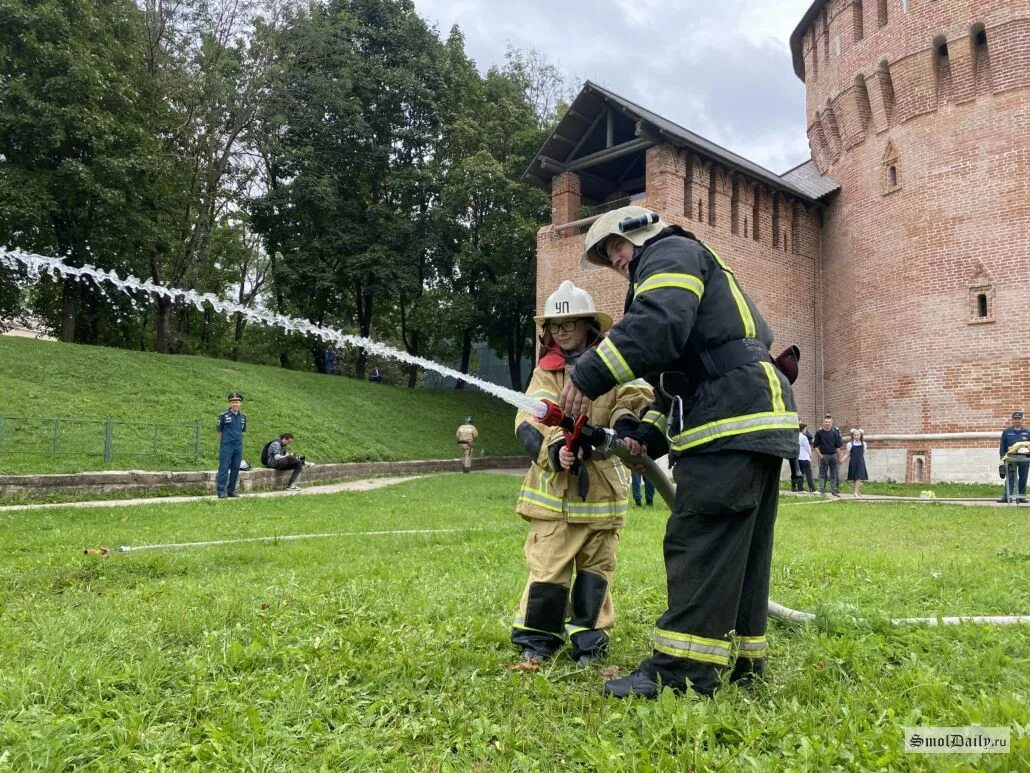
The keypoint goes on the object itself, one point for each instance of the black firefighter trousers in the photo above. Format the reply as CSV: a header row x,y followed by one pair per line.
x,y
718,551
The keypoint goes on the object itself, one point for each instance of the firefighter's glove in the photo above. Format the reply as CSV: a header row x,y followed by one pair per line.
x,y
627,426
1002,470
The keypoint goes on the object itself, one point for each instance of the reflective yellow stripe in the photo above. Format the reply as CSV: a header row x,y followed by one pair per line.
x,y
520,623
571,630
685,645
615,361
774,387
637,383
680,281
737,425
745,313
751,647
611,509
656,418
541,394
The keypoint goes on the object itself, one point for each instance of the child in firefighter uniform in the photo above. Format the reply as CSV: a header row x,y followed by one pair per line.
x,y
574,502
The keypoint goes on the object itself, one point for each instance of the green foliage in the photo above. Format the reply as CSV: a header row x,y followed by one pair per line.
x,y
389,651
335,419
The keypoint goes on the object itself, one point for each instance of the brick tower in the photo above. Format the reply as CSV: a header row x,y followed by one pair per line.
x,y
921,110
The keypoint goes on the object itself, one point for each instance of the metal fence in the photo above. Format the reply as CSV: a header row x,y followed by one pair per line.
x,y
98,437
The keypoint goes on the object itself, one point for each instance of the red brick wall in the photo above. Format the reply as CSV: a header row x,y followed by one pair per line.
x,y
902,354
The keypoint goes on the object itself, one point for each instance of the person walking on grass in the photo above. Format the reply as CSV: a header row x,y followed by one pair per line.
x,y
275,456
466,437
856,459
231,426
729,411
575,501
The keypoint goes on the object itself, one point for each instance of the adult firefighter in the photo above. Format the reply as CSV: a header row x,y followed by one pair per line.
x,y
574,499
726,414
466,437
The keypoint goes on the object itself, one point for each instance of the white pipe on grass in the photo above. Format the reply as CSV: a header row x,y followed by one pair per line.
x,y
664,485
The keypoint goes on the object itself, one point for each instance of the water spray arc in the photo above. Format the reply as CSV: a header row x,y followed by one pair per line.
x,y
130,285
547,412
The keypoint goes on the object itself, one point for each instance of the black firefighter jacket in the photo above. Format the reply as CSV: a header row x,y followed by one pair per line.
x,y
684,301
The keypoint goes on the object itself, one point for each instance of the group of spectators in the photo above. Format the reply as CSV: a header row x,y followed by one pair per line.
x,y
275,454
830,451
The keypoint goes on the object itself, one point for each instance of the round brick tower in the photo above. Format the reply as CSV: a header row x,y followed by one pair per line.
x,y
921,110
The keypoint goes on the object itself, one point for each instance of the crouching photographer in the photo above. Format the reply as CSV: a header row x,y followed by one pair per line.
x,y
276,456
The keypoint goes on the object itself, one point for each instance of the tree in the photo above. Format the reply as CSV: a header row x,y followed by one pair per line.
x,y
72,141
357,97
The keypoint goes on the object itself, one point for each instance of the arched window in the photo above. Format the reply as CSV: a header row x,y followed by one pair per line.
x,y
865,109
941,67
883,74
713,180
981,58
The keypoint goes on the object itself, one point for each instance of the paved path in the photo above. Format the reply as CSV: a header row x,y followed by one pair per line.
x,y
330,488
814,499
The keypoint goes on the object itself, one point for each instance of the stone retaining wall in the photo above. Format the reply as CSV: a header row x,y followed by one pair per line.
x,y
256,479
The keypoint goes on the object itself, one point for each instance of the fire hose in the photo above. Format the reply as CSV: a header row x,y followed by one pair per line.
x,y
606,441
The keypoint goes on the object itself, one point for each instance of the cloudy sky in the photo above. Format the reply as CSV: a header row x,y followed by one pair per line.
x,y
720,68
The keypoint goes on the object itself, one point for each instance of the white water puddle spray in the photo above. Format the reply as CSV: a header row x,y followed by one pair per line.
x,y
38,265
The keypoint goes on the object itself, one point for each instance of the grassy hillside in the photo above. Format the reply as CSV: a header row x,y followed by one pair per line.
x,y
335,419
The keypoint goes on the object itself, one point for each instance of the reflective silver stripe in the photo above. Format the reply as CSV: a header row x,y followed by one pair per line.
x,y
657,418
573,509
738,425
616,363
574,629
692,647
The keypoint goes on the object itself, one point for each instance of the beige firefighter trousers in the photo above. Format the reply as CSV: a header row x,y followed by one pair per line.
x,y
554,548
466,455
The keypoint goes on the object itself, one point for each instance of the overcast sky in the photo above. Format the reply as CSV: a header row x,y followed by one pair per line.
x,y
720,68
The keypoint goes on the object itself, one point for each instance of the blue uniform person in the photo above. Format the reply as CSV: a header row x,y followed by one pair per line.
x,y
231,426
1015,485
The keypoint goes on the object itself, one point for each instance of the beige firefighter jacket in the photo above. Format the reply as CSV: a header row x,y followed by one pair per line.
x,y
466,433
551,494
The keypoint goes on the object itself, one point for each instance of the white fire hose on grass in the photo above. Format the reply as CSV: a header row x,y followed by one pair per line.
x,y
667,489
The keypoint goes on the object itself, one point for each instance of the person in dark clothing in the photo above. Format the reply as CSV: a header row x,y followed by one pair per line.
x,y
635,489
231,426
725,410
827,441
277,457
1015,486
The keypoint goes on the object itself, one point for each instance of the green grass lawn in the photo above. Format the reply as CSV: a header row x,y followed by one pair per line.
x,y
335,419
388,651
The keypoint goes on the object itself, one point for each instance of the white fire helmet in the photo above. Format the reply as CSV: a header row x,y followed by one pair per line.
x,y
609,223
571,302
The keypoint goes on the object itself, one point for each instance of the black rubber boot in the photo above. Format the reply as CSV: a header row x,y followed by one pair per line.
x,y
642,683
747,671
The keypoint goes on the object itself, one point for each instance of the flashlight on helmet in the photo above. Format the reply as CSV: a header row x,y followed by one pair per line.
x,y
638,222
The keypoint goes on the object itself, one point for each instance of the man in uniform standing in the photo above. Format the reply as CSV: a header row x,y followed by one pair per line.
x,y
727,413
231,426
466,436
1017,433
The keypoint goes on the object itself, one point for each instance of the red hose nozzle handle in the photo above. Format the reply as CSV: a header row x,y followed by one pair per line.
x,y
554,415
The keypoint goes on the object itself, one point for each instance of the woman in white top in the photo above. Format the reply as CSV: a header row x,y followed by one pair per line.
x,y
805,459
